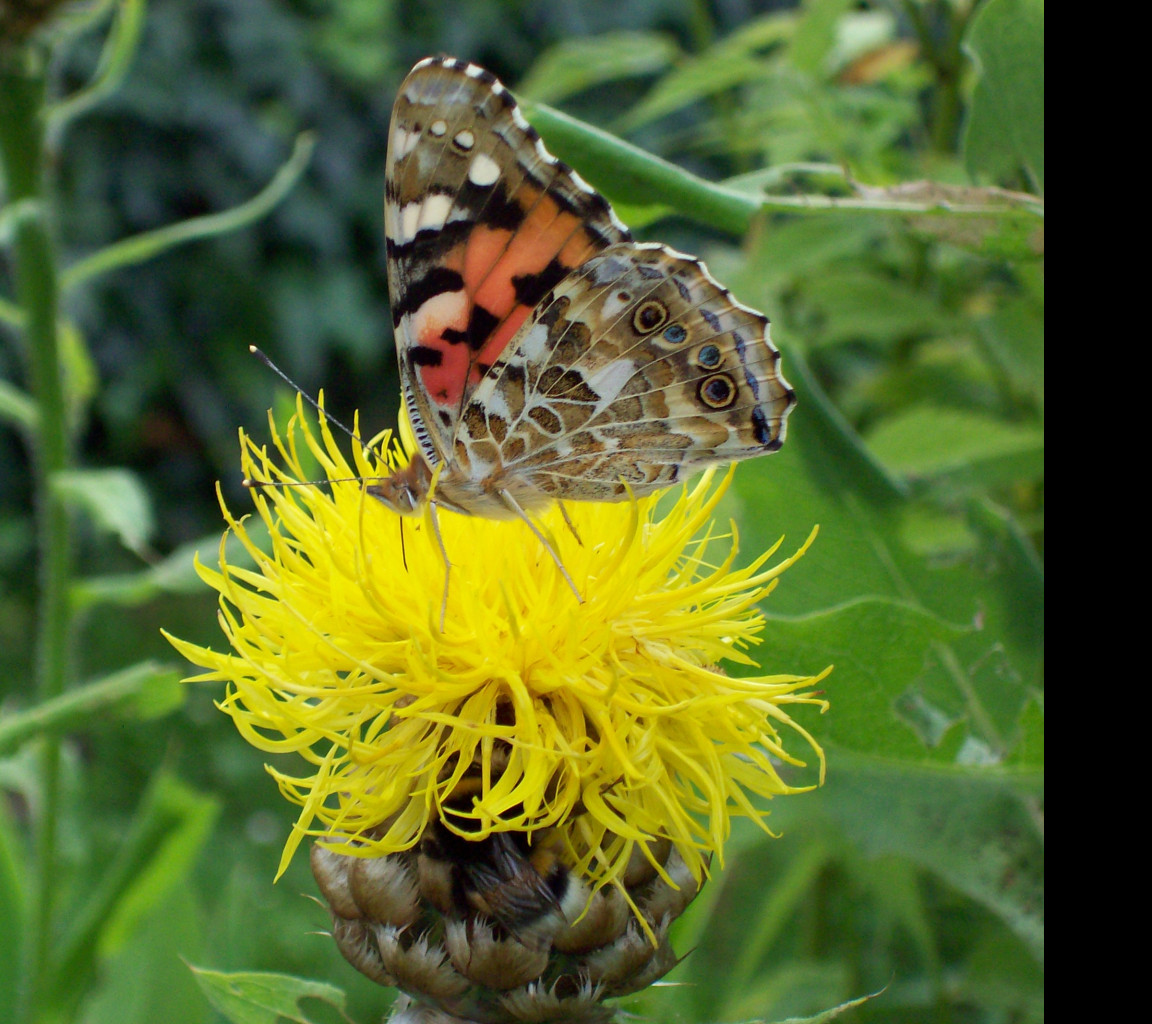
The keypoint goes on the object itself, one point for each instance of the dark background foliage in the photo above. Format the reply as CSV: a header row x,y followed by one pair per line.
x,y
915,343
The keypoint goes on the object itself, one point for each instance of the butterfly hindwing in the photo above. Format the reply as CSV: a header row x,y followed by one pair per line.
x,y
481,223
635,369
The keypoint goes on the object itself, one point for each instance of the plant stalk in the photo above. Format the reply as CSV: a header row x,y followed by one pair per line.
x,y
23,66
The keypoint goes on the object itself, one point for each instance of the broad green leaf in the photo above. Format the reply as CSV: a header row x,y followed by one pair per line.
x,y
879,649
825,476
14,891
976,830
970,448
116,501
258,998
1005,129
578,63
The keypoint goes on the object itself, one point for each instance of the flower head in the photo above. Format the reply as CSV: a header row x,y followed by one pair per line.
x,y
605,724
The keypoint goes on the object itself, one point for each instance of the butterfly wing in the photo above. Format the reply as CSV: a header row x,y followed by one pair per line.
x,y
481,222
637,368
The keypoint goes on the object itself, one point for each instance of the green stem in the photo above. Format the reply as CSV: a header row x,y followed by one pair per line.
x,y
22,91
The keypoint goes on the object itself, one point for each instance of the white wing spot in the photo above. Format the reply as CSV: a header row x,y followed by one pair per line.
x,y
435,211
581,184
438,128
483,170
534,344
543,153
464,139
409,222
403,142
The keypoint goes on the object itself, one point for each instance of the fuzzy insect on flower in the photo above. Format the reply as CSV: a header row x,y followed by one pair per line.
x,y
538,751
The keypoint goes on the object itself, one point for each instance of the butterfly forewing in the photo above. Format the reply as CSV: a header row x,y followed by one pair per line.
x,y
481,223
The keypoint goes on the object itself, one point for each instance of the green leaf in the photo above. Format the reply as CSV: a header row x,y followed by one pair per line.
x,y
258,998
825,476
145,246
145,980
1013,337
80,377
1005,129
816,34
976,831
1028,753
858,305
119,49
173,574
18,407
630,175
116,501
169,831
929,443
789,890
879,649
10,313
833,1013
729,63
579,63
143,691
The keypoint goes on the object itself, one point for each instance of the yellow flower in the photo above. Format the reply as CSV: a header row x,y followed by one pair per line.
x,y
606,723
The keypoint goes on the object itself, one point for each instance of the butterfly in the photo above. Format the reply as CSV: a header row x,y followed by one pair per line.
x,y
544,354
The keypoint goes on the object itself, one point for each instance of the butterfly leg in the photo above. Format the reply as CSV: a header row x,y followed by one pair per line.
x,y
568,522
513,505
447,564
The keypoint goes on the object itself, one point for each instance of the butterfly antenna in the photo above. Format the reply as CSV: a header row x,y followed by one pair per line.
x,y
302,393
257,485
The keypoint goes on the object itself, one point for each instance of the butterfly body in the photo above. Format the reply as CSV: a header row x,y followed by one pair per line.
x,y
544,354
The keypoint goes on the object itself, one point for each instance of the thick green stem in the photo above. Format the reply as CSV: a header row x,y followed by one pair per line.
x,y
22,68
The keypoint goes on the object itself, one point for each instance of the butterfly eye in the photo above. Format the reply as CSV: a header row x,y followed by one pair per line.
x,y
708,357
718,392
649,316
675,333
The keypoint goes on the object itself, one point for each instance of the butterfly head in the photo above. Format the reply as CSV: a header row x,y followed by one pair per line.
x,y
406,490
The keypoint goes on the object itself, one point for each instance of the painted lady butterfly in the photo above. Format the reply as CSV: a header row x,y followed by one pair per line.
x,y
544,354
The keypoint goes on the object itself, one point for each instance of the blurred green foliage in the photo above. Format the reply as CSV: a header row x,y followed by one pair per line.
x,y
915,340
